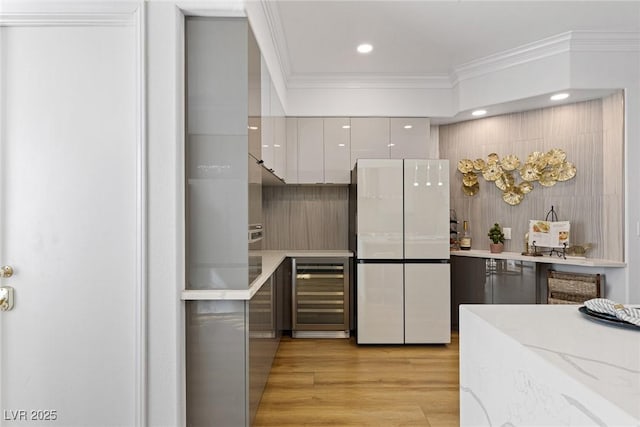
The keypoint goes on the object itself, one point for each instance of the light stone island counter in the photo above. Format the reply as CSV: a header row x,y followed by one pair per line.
x,y
270,262
546,365
517,256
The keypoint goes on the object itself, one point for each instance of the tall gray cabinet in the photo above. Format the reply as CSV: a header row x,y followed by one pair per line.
x,y
230,343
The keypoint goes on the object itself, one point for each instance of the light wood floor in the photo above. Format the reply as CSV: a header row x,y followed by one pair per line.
x,y
336,382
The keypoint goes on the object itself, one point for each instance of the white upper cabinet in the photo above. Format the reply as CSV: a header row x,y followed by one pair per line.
x,y
291,125
369,138
273,132
410,138
310,150
255,105
279,165
267,118
337,150
325,150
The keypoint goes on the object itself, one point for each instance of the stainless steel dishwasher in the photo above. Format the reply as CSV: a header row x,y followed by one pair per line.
x,y
320,298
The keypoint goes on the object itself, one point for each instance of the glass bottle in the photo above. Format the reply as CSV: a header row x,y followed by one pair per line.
x,y
465,240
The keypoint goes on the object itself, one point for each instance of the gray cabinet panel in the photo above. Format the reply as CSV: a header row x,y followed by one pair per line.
x,y
468,277
493,281
283,293
215,363
510,282
263,341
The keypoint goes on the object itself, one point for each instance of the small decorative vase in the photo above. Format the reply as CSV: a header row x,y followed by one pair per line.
x,y
496,248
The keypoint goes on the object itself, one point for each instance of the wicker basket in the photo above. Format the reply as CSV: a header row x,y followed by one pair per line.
x,y
572,288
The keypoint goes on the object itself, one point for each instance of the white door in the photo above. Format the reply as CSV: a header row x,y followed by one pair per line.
x,y
380,304
426,209
70,347
427,303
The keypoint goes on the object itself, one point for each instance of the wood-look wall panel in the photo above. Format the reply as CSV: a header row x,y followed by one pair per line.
x,y
305,217
590,132
613,161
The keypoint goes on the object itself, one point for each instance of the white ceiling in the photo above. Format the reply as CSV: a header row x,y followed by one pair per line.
x,y
421,41
429,37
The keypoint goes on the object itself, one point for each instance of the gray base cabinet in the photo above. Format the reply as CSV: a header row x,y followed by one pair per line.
x,y
216,366
494,281
231,345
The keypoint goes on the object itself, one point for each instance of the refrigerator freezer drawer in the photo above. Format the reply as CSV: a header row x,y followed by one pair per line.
x,y
427,306
380,304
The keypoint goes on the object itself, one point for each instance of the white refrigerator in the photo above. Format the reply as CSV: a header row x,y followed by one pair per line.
x,y
400,230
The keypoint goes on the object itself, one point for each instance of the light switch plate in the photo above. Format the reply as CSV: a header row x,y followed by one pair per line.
x,y
507,233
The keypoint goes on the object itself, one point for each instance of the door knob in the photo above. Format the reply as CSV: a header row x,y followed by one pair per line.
x,y
6,271
6,298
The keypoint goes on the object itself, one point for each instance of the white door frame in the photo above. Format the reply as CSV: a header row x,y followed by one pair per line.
x,y
87,14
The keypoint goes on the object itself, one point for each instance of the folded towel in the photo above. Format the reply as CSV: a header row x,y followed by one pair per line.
x,y
606,306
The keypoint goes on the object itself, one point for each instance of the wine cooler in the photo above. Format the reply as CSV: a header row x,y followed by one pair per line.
x,y
320,298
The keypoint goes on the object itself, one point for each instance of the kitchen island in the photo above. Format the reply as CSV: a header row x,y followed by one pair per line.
x,y
546,365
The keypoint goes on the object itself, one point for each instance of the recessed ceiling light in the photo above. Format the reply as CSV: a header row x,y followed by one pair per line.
x,y
253,127
346,127
365,48
479,113
408,126
559,96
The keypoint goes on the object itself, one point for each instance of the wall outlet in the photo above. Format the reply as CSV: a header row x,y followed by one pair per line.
x,y
507,233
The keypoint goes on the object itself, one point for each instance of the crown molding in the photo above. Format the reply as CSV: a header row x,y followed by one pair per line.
x,y
571,41
523,54
278,39
368,81
66,19
73,14
605,41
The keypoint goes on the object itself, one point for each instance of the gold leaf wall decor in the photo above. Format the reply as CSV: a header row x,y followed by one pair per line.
x,y
545,168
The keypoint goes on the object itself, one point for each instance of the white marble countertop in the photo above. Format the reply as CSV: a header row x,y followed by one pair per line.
x,y
586,262
270,262
603,359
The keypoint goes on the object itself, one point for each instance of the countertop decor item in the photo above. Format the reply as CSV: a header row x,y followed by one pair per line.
x,y
545,168
497,239
610,311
